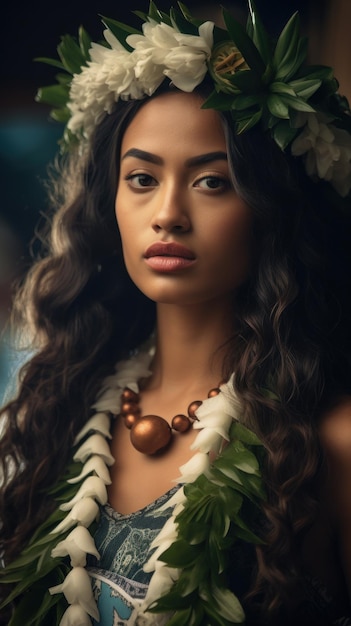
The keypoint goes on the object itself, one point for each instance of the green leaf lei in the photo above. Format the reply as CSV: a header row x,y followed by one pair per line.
x,y
220,509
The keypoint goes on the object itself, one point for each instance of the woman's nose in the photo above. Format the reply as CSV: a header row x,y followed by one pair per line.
x,y
171,214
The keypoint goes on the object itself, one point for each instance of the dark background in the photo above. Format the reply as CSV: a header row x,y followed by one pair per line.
x,y
28,139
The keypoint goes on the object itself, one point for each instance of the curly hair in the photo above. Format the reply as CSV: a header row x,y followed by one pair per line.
x,y
290,351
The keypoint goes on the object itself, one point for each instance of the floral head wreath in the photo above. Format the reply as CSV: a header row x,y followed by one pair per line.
x,y
261,82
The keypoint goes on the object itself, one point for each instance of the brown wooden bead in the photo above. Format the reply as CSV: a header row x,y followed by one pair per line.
x,y
213,392
192,408
181,423
130,419
151,434
130,407
128,395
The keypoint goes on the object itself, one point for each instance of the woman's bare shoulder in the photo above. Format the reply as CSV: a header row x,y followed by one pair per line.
x,y
335,429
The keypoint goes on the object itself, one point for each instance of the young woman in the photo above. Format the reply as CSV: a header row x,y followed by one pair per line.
x,y
178,450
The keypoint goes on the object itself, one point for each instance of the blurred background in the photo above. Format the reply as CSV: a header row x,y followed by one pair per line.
x,y
28,138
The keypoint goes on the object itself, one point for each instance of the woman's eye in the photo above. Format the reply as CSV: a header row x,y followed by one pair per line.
x,y
140,180
212,182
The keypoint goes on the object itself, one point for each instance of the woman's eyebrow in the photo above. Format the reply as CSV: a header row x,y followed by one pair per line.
x,y
143,155
201,159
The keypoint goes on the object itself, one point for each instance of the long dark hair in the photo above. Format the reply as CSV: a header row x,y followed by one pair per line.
x,y
290,350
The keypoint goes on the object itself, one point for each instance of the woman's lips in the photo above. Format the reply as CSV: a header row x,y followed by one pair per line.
x,y
169,257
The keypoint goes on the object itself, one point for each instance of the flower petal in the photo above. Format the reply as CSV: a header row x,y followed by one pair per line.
x,y
84,512
96,444
77,545
75,616
94,487
198,464
77,589
94,464
100,422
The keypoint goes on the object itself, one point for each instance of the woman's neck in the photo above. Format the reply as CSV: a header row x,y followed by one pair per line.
x,y
190,345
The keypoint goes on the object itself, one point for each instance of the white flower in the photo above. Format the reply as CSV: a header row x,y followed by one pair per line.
x,y
327,149
160,584
94,487
90,92
126,375
77,589
198,464
75,616
96,444
164,51
99,423
164,540
77,545
94,464
84,512
114,73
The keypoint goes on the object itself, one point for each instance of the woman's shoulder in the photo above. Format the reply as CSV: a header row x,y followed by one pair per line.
x,y
335,429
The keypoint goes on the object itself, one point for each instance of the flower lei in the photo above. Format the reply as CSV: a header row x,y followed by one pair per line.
x,y
260,81
189,563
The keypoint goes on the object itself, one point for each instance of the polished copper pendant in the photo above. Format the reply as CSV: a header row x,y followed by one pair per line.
x,y
150,434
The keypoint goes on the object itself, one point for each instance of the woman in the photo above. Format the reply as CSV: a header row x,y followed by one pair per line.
x,y
193,247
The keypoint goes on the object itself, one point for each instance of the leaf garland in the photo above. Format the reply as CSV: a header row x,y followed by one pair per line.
x,y
34,571
221,508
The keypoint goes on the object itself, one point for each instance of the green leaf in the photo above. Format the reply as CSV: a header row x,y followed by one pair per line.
x,y
259,34
33,607
248,122
280,88
185,11
218,101
120,31
54,94
244,44
154,13
240,432
277,107
181,617
290,68
27,581
287,43
283,134
245,80
305,88
84,42
53,62
71,54
228,605
297,103
180,554
185,24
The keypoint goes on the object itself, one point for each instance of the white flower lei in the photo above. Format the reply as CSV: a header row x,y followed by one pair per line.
x,y
215,417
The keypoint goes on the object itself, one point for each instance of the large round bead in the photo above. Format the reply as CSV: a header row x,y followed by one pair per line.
x,y
181,423
151,434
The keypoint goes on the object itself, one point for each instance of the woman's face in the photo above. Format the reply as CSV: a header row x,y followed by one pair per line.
x,y
186,235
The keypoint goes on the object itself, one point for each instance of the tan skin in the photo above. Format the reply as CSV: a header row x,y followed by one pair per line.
x,y
164,195
192,203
